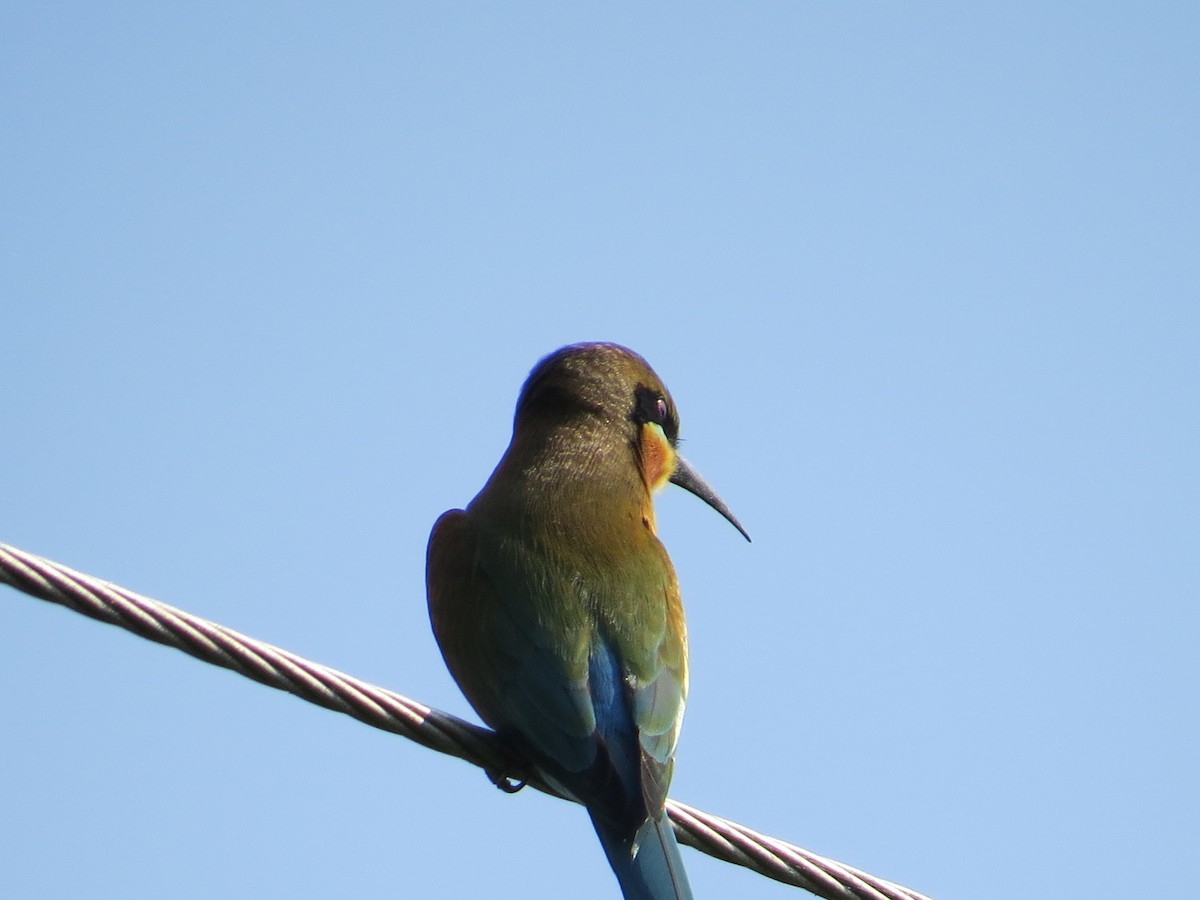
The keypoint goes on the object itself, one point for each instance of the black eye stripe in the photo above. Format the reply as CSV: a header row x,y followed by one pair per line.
x,y
651,406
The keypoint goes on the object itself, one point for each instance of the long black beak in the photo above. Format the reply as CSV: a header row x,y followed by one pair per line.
x,y
689,479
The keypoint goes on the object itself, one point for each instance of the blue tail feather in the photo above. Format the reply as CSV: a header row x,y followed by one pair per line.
x,y
648,865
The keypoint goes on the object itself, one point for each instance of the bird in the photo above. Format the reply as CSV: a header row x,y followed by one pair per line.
x,y
557,609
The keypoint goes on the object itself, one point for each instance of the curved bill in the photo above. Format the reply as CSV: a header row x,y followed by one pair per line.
x,y
689,479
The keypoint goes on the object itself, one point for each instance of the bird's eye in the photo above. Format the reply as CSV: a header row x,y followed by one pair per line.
x,y
651,406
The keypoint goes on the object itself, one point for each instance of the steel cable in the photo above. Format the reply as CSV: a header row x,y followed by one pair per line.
x,y
384,709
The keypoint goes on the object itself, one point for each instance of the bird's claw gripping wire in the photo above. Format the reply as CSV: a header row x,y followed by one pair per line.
x,y
505,782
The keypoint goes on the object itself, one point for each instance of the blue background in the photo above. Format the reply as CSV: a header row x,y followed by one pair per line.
x,y
922,279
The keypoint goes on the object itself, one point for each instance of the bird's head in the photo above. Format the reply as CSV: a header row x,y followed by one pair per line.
x,y
608,399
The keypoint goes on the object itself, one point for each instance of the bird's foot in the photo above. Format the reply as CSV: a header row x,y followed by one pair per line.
x,y
506,783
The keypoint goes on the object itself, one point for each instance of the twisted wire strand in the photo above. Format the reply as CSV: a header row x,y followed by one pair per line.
x,y
389,711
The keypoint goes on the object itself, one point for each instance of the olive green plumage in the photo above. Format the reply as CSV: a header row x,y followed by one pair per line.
x,y
557,608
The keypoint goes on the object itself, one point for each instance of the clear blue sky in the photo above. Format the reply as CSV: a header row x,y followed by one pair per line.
x,y
922,279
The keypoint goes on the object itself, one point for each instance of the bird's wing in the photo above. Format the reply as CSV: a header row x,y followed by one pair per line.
x,y
647,635
521,661
588,673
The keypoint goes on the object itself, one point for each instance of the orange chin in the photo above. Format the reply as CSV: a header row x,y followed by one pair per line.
x,y
657,456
